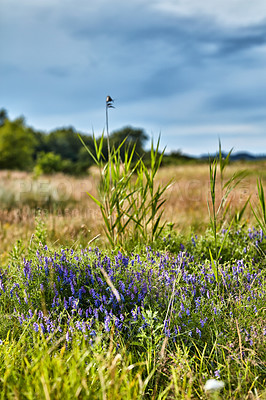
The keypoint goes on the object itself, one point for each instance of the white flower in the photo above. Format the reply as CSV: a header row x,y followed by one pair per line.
x,y
212,385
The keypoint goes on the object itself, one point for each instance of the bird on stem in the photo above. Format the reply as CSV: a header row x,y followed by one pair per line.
x,y
109,102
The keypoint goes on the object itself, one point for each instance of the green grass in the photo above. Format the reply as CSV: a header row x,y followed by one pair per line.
x,y
147,358
152,317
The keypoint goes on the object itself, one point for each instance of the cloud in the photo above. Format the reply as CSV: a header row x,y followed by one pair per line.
x,y
160,54
238,101
169,64
228,12
242,39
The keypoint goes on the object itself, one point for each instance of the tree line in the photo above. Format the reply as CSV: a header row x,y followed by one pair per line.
x,y
61,150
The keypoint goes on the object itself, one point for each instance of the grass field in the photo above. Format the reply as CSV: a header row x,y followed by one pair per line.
x,y
82,320
72,218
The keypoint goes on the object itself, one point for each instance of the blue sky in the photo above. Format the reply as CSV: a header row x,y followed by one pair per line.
x,y
191,70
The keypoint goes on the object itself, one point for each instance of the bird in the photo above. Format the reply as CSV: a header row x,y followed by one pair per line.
x,y
109,102
109,99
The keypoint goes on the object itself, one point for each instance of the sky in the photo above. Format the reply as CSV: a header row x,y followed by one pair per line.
x,y
192,71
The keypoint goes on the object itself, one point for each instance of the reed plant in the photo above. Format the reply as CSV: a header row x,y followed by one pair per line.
x,y
260,214
129,201
218,212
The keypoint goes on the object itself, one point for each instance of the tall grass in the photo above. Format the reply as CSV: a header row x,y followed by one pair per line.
x,y
156,323
218,213
168,334
52,371
130,203
260,215
74,221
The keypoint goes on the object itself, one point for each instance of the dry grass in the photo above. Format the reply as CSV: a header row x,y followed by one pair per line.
x,y
187,197
73,219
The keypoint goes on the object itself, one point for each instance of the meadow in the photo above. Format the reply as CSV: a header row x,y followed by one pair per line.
x,y
148,312
72,219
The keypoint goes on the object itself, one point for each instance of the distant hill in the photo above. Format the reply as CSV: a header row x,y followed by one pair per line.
x,y
177,157
245,156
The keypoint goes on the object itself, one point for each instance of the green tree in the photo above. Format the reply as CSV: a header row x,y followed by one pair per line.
x,y
17,144
41,143
132,136
3,116
65,142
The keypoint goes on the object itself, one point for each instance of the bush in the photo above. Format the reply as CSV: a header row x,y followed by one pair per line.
x,y
48,163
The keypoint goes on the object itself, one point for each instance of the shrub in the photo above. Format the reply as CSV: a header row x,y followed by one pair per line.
x,y
48,163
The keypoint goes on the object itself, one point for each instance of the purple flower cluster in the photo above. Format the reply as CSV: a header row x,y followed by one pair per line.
x,y
66,292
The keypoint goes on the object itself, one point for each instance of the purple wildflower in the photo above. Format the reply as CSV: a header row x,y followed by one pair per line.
x,y
198,331
1,285
217,374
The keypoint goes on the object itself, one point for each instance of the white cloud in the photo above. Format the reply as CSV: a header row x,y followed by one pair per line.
x,y
231,12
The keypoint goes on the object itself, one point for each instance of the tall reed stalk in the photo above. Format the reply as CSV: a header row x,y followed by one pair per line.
x,y
129,201
260,214
218,213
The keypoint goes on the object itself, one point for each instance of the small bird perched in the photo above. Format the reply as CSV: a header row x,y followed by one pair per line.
x,y
109,102
109,99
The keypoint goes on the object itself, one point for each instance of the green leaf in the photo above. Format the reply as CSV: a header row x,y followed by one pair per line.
x,y
214,268
95,200
239,214
224,239
88,150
